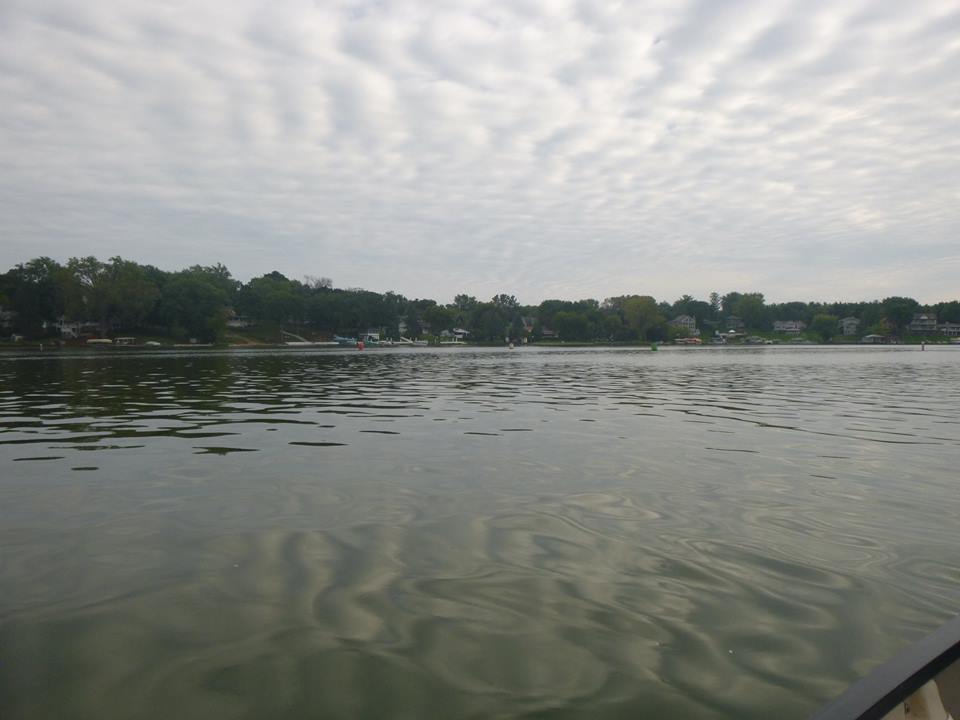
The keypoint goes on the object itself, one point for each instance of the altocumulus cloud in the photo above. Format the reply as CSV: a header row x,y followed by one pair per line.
x,y
804,148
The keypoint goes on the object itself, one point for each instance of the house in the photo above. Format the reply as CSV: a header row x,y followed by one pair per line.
x,y
734,323
528,323
951,329
686,323
849,326
548,334
790,327
7,317
371,335
73,329
68,329
238,321
923,323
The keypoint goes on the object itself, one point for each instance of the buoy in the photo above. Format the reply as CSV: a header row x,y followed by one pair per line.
x,y
359,344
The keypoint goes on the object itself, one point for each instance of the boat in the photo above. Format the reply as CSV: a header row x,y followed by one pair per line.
x,y
345,341
921,683
412,343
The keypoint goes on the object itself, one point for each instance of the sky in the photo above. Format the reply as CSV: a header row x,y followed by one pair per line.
x,y
806,149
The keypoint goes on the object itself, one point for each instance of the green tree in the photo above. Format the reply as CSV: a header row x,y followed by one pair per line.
x,y
697,309
34,292
128,293
571,325
490,321
506,301
728,303
641,315
273,298
715,305
194,306
612,327
439,318
750,308
948,311
825,325
465,303
898,311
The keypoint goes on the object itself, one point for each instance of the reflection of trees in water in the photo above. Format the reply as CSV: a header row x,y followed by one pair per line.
x,y
641,562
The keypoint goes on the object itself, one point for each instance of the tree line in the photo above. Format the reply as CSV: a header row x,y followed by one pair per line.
x,y
200,301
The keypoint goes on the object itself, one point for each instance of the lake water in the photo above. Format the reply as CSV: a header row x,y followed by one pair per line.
x,y
457,533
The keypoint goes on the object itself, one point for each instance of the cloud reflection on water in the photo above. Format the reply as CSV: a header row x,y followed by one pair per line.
x,y
573,570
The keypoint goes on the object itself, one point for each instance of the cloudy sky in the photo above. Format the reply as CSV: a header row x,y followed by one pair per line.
x,y
550,148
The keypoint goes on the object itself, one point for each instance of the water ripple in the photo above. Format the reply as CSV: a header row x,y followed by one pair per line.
x,y
564,533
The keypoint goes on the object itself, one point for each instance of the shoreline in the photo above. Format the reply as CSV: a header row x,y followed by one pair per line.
x,y
36,347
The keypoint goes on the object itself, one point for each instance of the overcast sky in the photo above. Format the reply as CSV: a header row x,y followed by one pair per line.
x,y
806,149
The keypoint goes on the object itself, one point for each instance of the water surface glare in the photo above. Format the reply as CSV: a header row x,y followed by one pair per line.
x,y
701,533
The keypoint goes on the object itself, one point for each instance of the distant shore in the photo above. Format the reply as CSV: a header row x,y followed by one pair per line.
x,y
58,348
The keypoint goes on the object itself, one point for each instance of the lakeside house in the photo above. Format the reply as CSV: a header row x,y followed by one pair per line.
x,y
686,323
734,323
528,323
849,326
790,327
73,329
459,334
238,321
923,323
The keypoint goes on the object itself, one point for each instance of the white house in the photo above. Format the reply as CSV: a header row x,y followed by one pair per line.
x,y
790,327
687,323
238,321
72,329
7,317
849,326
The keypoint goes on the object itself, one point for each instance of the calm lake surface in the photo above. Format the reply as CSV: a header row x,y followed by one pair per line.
x,y
457,533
